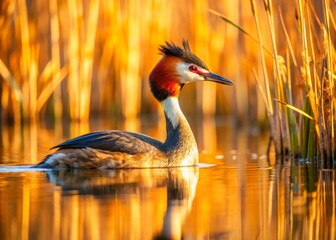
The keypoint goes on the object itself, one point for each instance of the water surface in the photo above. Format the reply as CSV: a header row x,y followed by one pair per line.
x,y
234,194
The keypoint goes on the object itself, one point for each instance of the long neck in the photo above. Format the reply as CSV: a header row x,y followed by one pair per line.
x,y
180,142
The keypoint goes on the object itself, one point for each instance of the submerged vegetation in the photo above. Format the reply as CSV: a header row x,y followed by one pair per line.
x,y
73,59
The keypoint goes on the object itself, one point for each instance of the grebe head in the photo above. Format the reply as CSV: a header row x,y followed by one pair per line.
x,y
177,67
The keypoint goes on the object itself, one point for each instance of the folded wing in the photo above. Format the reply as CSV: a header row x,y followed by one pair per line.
x,y
113,141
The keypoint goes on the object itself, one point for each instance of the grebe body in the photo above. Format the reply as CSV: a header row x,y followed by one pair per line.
x,y
122,149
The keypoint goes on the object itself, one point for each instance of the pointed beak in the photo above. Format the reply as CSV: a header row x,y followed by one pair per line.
x,y
216,78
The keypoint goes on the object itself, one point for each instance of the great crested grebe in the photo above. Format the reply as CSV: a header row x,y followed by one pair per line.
x,y
122,149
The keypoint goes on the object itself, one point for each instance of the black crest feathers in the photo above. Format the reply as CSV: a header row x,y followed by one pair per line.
x,y
170,49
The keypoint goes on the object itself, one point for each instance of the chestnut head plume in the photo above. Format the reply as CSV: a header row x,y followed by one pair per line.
x,y
177,67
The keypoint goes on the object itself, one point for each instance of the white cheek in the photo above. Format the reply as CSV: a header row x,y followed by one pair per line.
x,y
186,75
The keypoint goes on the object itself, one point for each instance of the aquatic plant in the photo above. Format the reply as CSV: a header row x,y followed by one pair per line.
x,y
301,111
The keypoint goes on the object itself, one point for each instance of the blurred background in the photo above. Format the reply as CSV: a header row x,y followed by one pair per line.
x,y
79,58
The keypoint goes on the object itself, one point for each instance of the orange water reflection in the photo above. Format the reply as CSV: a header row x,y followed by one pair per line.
x,y
241,197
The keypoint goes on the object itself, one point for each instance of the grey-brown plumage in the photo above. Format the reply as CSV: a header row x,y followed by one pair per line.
x,y
122,149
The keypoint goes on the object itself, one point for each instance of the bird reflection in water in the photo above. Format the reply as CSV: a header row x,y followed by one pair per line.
x,y
122,185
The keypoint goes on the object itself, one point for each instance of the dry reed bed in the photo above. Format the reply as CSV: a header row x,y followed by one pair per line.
x,y
73,58
311,134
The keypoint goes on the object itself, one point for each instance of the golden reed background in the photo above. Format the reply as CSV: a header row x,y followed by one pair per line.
x,y
76,57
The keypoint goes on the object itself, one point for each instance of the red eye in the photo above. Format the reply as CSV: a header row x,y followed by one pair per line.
x,y
192,68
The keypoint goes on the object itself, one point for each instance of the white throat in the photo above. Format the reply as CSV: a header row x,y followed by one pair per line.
x,y
172,109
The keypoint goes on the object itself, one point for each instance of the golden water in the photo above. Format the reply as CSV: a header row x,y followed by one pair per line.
x,y
235,194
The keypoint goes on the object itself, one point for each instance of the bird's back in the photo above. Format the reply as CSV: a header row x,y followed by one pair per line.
x,y
107,149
